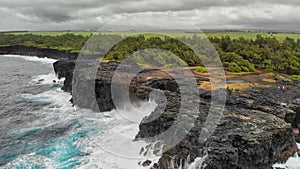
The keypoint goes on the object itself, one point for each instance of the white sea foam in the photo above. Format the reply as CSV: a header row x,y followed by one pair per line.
x,y
197,163
44,60
110,143
110,136
50,78
292,163
31,161
115,148
59,110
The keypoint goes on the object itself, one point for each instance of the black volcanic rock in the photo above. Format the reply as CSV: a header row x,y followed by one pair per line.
x,y
39,52
254,131
64,69
140,87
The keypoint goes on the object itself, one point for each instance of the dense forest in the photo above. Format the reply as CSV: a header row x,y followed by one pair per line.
x,y
238,55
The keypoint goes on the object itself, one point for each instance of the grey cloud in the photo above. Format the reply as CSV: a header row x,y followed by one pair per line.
x,y
51,14
84,14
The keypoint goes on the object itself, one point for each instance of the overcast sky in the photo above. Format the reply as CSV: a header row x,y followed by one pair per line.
x,y
205,14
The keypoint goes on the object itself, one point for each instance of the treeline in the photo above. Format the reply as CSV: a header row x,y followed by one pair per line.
x,y
62,42
140,46
265,53
237,55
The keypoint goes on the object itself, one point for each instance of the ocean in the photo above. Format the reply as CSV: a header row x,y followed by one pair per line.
x,y
40,128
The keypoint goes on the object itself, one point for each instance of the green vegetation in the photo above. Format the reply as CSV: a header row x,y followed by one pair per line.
x,y
168,65
239,51
201,70
165,50
252,35
65,41
264,53
296,77
211,34
236,63
103,59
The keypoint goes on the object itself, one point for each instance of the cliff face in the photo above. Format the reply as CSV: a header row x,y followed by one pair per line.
x,y
140,86
254,131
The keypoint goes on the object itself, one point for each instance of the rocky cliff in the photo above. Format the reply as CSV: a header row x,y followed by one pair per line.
x,y
39,52
254,131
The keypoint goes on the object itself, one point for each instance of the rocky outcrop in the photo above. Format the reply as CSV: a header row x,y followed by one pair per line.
x,y
254,131
140,86
64,69
39,52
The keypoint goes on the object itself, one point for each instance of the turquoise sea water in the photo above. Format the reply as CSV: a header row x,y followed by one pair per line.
x,y
32,133
40,129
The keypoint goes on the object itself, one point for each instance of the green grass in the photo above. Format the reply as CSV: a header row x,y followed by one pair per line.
x,y
173,33
296,77
252,35
201,70
105,59
168,65
219,34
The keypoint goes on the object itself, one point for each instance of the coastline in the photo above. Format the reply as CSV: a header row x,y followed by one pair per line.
x,y
38,52
241,144
254,131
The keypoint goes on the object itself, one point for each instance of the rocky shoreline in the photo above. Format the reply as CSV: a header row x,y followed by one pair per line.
x,y
254,131
39,52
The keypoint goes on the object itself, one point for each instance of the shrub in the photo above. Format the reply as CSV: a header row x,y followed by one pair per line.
x,y
168,65
296,77
103,59
251,68
233,67
201,70
245,69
